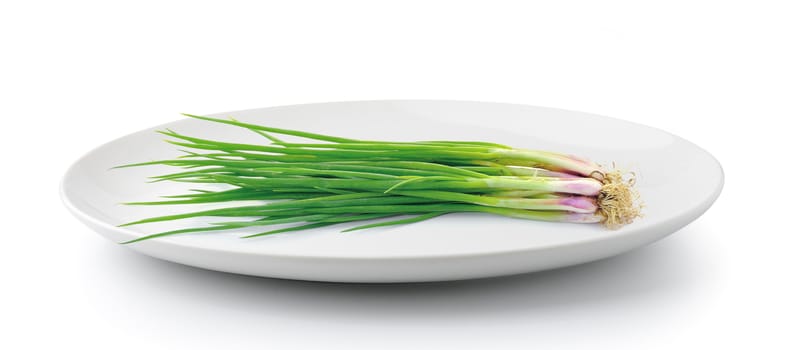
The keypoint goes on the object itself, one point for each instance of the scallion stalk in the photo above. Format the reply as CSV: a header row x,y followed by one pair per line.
x,y
332,180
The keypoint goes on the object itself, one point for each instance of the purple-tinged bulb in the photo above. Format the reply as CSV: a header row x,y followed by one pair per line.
x,y
586,187
582,204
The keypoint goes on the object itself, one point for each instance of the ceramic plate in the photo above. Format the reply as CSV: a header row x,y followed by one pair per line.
x,y
451,247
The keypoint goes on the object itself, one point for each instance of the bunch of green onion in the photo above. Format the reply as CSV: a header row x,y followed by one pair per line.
x,y
331,180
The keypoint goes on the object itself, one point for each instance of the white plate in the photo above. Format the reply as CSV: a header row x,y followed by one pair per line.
x,y
678,181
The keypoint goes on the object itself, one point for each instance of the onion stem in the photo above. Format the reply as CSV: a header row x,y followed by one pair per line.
x,y
334,180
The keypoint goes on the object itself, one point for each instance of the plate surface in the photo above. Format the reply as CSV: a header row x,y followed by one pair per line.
x,y
678,181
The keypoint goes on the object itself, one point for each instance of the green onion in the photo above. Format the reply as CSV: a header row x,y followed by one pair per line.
x,y
332,180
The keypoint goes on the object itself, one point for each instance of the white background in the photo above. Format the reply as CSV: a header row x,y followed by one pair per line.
x,y
76,74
